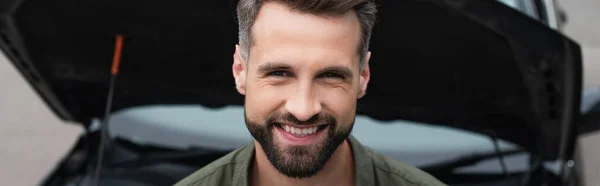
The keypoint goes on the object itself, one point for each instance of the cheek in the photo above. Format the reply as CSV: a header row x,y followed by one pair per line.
x,y
261,101
341,103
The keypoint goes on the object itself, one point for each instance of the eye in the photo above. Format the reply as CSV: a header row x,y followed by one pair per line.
x,y
279,73
332,75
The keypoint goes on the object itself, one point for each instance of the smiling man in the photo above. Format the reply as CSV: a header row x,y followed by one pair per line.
x,y
302,65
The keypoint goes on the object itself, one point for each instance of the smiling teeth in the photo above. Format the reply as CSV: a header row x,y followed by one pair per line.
x,y
300,131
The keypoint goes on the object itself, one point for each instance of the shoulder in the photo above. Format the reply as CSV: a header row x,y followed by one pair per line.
x,y
219,172
389,170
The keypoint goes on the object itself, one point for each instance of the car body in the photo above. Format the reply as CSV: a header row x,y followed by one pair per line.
x,y
481,84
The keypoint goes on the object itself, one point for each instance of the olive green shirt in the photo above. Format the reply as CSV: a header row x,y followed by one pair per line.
x,y
371,169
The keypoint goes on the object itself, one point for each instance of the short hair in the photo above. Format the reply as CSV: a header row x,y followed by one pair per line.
x,y
366,11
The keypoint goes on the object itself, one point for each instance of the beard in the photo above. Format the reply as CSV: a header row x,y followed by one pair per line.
x,y
298,161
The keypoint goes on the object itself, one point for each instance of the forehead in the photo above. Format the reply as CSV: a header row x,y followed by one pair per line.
x,y
280,34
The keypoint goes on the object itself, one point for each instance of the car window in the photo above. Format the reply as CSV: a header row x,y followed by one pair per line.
x,y
527,7
512,3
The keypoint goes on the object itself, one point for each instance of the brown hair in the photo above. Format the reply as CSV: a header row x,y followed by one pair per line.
x,y
364,9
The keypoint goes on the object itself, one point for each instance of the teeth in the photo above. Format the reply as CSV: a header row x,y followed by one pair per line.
x,y
300,131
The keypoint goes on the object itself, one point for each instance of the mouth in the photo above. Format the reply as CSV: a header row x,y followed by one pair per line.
x,y
301,131
295,135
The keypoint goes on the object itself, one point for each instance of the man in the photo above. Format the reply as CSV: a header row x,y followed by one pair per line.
x,y
302,65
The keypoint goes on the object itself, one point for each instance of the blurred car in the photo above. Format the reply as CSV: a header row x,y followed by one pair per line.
x,y
473,92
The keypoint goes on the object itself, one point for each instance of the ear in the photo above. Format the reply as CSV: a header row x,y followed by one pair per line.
x,y
239,71
365,76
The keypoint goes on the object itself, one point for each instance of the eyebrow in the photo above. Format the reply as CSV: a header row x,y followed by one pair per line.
x,y
272,66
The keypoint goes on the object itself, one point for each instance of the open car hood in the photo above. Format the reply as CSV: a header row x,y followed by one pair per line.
x,y
471,64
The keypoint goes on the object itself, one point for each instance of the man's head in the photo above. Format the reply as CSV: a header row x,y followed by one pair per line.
x,y
302,65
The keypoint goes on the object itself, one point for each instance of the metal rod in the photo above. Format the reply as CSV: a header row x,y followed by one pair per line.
x,y
109,99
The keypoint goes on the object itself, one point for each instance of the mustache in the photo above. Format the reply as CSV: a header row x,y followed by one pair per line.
x,y
320,118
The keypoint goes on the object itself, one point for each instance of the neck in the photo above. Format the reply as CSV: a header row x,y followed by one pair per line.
x,y
340,165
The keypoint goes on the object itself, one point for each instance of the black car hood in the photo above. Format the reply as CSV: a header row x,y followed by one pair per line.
x,y
471,64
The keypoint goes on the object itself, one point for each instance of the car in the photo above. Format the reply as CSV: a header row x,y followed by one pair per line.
x,y
476,93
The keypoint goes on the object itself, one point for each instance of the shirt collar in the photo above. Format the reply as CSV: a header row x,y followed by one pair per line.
x,y
363,166
243,161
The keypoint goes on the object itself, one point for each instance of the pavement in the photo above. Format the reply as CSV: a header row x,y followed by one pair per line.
x,y
33,140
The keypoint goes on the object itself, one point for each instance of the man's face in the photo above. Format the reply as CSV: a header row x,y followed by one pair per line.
x,y
301,83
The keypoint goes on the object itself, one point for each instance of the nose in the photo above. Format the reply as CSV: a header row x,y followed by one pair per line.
x,y
303,104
